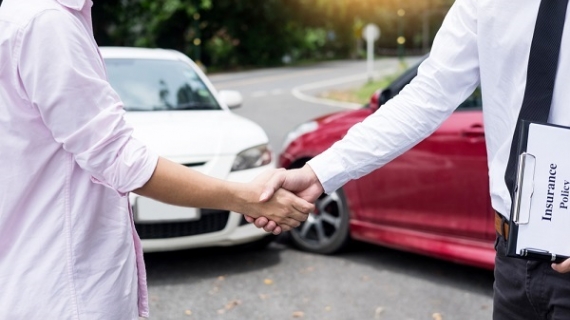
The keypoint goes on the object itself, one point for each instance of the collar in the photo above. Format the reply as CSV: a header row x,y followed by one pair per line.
x,y
73,4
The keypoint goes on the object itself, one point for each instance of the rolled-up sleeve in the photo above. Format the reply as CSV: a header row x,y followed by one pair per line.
x,y
445,79
64,78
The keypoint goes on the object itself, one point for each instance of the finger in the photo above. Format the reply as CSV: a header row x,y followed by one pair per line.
x,y
285,228
277,230
304,208
298,216
270,226
248,218
291,223
562,267
272,185
301,210
261,222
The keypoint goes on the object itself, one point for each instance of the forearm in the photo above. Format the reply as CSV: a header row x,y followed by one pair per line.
x,y
175,184
444,80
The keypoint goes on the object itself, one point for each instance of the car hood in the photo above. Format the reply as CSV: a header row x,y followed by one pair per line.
x,y
174,134
340,117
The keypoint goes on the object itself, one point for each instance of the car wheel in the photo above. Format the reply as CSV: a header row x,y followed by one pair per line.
x,y
326,230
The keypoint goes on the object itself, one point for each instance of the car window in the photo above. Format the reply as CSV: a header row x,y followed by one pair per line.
x,y
156,85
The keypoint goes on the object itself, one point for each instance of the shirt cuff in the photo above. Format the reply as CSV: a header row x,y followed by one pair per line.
x,y
132,169
330,170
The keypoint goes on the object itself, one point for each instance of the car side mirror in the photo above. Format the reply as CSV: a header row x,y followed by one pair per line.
x,y
378,98
374,98
231,98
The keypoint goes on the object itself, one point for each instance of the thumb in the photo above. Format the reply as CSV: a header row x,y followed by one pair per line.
x,y
562,267
272,184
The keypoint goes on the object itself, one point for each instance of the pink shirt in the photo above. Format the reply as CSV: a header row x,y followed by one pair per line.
x,y
68,247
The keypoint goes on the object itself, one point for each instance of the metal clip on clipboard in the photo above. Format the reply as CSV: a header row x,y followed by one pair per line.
x,y
524,188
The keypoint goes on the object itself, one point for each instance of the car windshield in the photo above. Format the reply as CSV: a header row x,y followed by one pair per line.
x,y
157,85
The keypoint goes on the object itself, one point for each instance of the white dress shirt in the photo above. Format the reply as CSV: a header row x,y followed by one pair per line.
x,y
483,42
68,246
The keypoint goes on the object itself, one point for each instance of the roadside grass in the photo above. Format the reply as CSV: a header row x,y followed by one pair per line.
x,y
362,94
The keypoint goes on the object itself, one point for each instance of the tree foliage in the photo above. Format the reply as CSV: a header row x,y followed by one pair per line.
x,y
241,33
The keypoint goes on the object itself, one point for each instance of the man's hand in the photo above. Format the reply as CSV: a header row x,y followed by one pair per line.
x,y
303,182
562,267
283,209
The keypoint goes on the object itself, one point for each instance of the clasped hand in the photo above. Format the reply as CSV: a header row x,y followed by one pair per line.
x,y
281,183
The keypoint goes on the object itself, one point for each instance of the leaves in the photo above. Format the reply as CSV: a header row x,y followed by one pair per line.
x,y
437,316
378,312
229,306
260,33
298,314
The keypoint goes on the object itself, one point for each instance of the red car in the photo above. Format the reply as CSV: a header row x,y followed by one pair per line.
x,y
432,200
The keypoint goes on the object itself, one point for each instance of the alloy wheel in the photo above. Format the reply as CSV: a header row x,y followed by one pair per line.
x,y
326,229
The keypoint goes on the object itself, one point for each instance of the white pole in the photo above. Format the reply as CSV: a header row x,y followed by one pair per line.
x,y
370,33
370,58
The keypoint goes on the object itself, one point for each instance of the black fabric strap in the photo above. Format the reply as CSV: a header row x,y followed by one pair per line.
x,y
542,66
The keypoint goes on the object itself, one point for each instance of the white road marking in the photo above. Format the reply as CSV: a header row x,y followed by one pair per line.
x,y
333,103
298,91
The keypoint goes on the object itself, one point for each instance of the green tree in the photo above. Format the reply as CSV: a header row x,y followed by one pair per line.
x,y
240,33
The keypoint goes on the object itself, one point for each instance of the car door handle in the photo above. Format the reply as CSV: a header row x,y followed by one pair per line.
x,y
475,131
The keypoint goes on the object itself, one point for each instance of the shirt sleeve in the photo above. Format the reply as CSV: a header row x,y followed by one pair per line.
x,y
445,79
64,78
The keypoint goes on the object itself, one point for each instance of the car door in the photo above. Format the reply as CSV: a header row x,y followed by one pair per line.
x,y
440,186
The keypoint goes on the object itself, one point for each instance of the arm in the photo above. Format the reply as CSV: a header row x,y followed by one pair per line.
x,y
175,184
64,79
444,80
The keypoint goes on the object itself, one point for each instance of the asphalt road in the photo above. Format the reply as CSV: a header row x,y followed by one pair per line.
x,y
280,282
281,98
365,282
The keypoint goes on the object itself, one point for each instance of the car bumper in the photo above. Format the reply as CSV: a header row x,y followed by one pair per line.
x,y
166,229
230,236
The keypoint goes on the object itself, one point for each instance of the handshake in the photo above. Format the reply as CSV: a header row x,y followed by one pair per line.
x,y
285,200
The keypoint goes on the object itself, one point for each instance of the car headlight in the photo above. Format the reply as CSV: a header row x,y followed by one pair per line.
x,y
299,131
252,158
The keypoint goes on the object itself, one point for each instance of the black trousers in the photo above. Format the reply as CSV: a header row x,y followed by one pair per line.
x,y
528,290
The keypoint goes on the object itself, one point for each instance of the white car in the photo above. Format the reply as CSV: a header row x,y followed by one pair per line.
x,y
178,113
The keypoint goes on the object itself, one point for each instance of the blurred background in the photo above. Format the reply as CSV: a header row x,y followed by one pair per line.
x,y
230,34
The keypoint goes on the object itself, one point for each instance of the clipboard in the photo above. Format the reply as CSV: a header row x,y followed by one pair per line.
x,y
539,226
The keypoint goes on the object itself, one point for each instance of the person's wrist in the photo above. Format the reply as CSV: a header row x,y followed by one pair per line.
x,y
309,172
243,196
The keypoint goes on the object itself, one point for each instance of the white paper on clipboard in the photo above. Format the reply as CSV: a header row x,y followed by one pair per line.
x,y
542,198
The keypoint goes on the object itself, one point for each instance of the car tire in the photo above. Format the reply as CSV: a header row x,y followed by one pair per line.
x,y
326,231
